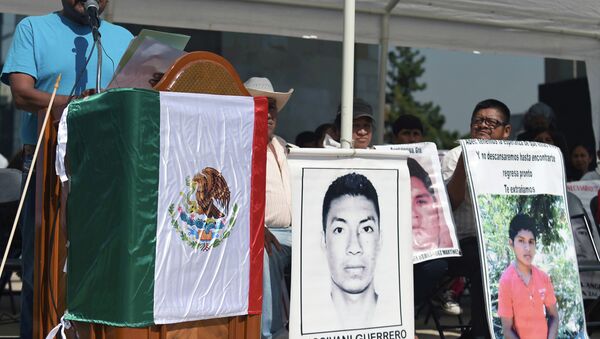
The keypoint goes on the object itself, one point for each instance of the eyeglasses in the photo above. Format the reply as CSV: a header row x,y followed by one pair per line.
x,y
489,122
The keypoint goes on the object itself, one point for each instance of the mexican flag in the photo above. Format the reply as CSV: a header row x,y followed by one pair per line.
x,y
166,207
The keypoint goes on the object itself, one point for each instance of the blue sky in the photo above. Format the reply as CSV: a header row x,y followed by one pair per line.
x,y
458,80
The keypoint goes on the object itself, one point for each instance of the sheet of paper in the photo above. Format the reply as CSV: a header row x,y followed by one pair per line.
x,y
174,40
149,60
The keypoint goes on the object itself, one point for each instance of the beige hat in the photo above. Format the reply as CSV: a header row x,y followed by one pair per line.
x,y
262,87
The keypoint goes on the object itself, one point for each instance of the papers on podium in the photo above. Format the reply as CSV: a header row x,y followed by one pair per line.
x,y
149,55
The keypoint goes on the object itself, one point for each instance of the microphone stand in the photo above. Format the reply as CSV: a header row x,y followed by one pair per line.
x,y
99,65
95,25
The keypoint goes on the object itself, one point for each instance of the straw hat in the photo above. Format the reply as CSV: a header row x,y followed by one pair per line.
x,y
262,87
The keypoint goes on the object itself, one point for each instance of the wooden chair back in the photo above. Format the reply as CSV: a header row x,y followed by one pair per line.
x,y
202,72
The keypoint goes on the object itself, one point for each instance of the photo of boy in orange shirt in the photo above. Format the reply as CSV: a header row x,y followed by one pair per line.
x,y
526,301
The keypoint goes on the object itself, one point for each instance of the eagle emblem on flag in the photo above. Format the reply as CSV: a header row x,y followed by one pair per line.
x,y
203,217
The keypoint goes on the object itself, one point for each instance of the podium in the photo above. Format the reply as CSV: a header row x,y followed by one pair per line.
x,y
50,281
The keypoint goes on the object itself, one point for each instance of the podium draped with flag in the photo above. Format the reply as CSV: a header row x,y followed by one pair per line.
x,y
165,207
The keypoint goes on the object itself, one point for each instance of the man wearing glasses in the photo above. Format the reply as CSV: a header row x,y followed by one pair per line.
x,y
491,121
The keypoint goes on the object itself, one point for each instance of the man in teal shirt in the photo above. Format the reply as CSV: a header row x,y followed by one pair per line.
x,y
43,47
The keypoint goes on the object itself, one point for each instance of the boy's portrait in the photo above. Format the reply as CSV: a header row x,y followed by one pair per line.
x,y
350,250
526,300
530,267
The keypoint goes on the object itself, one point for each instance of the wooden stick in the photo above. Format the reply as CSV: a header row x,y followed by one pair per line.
x,y
31,170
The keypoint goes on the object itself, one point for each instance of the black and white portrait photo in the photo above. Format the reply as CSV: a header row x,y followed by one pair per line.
x,y
350,266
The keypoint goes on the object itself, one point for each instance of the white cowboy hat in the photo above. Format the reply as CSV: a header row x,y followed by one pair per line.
x,y
262,87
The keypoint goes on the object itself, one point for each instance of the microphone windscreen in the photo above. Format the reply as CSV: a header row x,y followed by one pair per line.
x,y
91,3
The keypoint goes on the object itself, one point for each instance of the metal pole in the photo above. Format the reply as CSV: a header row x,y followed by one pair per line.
x,y
348,74
99,65
384,43
383,61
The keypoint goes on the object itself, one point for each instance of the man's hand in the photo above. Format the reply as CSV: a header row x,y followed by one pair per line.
x,y
271,240
87,93
508,328
56,111
61,102
156,77
552,314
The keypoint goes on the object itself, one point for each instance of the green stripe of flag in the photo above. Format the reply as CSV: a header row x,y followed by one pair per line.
x,y
106,280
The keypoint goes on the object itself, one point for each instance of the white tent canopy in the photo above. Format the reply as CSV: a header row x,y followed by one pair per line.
x,y
568,29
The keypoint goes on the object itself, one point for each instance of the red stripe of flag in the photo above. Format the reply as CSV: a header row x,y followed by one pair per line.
x,y
257,204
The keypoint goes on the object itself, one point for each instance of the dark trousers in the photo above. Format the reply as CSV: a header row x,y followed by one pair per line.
x,y
427,276
27,252
469,266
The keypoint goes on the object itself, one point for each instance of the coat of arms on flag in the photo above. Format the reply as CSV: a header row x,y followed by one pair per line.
x,y
203,218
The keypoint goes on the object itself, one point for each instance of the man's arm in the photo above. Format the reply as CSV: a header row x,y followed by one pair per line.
x,y
28,98
552,314
456,184
507,328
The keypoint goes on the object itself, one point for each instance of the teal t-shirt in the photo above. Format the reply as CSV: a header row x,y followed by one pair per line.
x,y
44,46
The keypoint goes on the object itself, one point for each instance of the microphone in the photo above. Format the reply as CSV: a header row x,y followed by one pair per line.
x,y
91,8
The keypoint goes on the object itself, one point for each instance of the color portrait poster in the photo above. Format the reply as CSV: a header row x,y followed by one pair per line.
x,y
434,234
529,264
585,233
587,192
352,254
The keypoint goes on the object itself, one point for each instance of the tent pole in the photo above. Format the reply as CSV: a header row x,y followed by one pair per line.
x,y
383,61
348,74
384,46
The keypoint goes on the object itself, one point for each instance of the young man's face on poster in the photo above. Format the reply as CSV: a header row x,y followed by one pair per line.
x,y
351,242
524,247
583,244
425,220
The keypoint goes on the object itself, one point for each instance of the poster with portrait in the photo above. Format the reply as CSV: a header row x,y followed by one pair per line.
x,y
351,259
587,192
585,233
434,234
529,264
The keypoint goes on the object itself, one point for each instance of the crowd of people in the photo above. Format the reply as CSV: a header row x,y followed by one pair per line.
x,y
406,129
490,120
539,124
440,280
58,43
